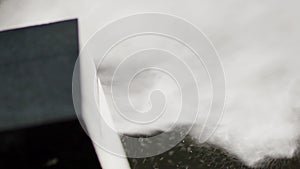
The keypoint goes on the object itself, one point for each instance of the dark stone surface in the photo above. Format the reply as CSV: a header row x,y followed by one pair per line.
x,y
189,155
65,145
36,66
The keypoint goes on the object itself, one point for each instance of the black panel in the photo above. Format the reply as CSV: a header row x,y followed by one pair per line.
x,y
36,66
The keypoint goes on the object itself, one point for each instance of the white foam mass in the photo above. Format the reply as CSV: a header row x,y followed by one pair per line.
x,y
258,42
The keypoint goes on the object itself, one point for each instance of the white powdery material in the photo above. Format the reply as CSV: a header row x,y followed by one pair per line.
x,y
257,125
